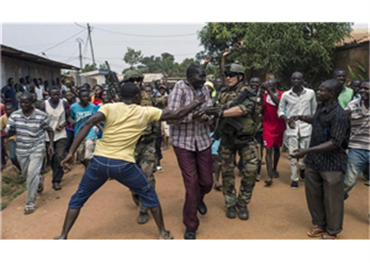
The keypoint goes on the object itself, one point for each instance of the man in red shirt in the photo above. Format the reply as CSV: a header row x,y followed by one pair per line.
x,y
273,127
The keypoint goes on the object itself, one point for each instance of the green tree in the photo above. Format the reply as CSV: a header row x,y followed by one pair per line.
x,y
89,67
132,57
163,63
103,66
276,48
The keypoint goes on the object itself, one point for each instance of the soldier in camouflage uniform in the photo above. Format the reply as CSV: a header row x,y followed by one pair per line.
x,y
239,120
145,153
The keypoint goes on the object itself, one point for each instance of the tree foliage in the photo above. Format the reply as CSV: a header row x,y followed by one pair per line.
x,y
89,67
132,57
164,63
276,48
103,66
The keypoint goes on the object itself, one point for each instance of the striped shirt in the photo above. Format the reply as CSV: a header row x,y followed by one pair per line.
x,y
30,131
360,125
330,123
187,133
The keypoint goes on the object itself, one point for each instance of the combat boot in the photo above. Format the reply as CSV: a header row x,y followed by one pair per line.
x,y
231,212
243,212
143,218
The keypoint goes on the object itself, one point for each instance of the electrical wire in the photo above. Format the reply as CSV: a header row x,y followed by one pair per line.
x,y
134,35
72,55
80,25
61,42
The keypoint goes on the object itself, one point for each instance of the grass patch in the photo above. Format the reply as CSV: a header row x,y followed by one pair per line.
x,y
11,187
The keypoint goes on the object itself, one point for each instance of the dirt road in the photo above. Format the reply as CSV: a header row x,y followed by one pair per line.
x,y
276,212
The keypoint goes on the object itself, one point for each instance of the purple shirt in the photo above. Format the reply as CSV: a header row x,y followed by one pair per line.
x,y
187,133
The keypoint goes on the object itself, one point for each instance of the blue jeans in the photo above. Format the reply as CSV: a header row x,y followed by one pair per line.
x,y
129,174
358,160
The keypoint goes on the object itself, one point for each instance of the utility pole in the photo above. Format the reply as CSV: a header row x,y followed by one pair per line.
x,y
79,40
91,45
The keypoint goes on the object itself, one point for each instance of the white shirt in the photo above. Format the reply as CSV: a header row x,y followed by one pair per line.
x,y
305,104
39,92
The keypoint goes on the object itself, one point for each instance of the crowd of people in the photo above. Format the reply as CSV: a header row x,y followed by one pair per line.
x,y
213,125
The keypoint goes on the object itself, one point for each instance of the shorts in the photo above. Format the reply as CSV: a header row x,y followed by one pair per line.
x,y
269,141
86,150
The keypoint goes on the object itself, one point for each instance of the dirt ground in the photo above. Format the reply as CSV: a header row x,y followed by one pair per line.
x,y
276,212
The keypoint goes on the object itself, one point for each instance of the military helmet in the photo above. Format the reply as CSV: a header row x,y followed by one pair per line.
x,y
132,74
235,68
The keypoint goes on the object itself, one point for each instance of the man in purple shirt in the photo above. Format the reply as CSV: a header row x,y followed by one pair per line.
x,y
192,144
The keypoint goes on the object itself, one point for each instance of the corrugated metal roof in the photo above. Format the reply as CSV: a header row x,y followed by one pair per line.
x,y
19,54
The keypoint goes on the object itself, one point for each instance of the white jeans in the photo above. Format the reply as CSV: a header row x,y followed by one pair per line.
x,y
295,143
31,166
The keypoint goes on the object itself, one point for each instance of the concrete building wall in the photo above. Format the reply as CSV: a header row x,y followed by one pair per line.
x,y
16,68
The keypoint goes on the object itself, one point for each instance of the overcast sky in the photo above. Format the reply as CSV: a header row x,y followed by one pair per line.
x,y
59,41
146,27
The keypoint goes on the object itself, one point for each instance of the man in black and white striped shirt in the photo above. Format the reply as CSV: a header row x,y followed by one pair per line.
x,y
359,143
30,124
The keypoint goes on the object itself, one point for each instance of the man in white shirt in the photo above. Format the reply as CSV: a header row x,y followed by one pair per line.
x,y
297,101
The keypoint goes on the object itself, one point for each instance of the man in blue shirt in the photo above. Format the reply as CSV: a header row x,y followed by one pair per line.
x,y
8,93
80,113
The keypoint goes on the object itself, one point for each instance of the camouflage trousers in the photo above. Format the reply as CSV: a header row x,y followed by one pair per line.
x,y
249,160
146,158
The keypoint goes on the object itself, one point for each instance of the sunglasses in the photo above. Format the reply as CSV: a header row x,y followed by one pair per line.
x,y
231,75
135,79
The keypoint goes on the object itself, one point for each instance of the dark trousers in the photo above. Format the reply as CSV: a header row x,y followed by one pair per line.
x,y
260,147
60,153
70,137
325,199
196,169
3,152
158,143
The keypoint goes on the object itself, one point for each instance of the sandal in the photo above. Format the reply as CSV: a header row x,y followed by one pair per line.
x,y
329,237
316,232
167,235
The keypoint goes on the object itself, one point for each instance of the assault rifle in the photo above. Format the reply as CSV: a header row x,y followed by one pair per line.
x,y
223,125
112,83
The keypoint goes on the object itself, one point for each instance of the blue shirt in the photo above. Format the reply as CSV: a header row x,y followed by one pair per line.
x,y
10,95
80,115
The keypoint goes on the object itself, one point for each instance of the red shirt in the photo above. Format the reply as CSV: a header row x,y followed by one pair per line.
x,y
272,124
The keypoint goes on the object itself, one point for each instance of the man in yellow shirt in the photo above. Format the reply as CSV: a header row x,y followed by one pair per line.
x,y
114,152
